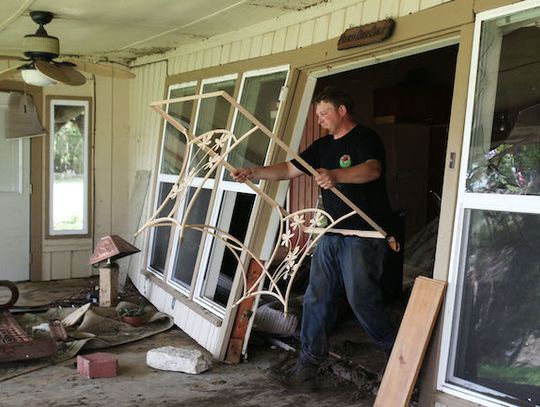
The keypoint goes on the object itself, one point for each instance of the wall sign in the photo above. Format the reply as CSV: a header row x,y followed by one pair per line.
x,y
366,34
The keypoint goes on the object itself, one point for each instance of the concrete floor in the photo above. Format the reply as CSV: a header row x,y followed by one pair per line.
x,y
346,382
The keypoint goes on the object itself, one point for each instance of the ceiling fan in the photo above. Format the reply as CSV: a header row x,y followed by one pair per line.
x,y
41,68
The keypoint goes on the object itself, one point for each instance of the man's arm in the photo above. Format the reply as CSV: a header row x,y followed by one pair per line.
x,y
284,170
368,171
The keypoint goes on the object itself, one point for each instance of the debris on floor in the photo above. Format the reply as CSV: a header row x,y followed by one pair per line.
x,y
191,361
97,365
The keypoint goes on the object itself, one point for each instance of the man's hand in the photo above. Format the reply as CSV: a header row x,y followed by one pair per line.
x,y
242,174
326,178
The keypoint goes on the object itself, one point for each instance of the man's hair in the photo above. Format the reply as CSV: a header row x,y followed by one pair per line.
x,y
337,97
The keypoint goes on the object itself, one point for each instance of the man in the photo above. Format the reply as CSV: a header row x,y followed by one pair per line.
x,y
350,158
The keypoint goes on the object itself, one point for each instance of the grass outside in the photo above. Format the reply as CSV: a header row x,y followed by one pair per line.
x,y
510,374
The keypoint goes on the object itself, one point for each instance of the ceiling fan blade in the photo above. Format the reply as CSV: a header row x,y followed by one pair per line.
x,y
110,70
51,71
75,78
8,73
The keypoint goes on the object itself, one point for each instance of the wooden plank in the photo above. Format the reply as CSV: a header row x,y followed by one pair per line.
x,y
411,343
243,315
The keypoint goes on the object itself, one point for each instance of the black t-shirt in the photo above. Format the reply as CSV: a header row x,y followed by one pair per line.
x,y
357,146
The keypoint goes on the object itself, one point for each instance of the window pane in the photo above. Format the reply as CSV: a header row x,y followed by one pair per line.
x,y
188,249
174,143
260,97
68,163
234,215
498,340
505,145
161,235
213,114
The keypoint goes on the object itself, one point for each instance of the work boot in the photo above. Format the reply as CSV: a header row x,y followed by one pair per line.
x,y
302,377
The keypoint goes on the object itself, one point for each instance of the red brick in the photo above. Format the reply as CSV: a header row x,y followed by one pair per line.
x,y
97,365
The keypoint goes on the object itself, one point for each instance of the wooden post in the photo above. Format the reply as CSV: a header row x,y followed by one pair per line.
x,y
108,285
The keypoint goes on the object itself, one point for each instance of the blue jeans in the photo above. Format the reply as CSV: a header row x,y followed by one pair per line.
x,y
352,266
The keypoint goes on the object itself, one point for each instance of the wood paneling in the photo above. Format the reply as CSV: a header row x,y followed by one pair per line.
x,y
303,191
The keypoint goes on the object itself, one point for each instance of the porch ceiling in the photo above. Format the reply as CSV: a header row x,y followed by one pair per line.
x,y
126,29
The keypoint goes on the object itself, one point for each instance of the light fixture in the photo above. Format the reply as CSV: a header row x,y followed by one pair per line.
x,y
36,78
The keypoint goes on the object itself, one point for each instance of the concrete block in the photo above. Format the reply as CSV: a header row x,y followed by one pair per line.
x,y
190,361
97,365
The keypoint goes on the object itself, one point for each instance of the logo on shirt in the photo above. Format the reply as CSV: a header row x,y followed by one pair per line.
x,y
345,161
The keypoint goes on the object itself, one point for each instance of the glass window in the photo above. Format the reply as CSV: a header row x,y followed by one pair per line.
x,y
505,144
173,150
188,248
174,142
68,167
213,113
499,331
224,203
260,96
493,336
160,235
236,208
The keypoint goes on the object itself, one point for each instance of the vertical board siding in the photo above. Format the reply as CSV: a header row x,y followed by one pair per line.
x,y
305,34
279,41
370,11
267,43
320,32
336,24
388,9
353,16
409,7
255,47
303,191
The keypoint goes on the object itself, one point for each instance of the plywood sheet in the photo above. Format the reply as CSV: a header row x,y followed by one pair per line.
x,y
411,343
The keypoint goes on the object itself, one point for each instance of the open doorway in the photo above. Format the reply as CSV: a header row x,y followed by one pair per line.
x,y
407,101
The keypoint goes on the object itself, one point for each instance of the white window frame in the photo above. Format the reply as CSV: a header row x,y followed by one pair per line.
x,y
527,204
231,186
163,178
197,181
220,186
85,103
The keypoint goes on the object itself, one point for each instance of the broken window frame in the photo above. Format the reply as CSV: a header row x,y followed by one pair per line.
x,y
480,112
209,184
220,187
164,178
223,187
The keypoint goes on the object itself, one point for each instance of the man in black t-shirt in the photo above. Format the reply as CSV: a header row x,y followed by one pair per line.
x,y
350,158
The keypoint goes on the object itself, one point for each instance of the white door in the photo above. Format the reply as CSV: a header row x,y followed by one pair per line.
x,y
14,203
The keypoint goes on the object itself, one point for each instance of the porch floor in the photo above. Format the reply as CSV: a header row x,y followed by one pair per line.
x,y
245,384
